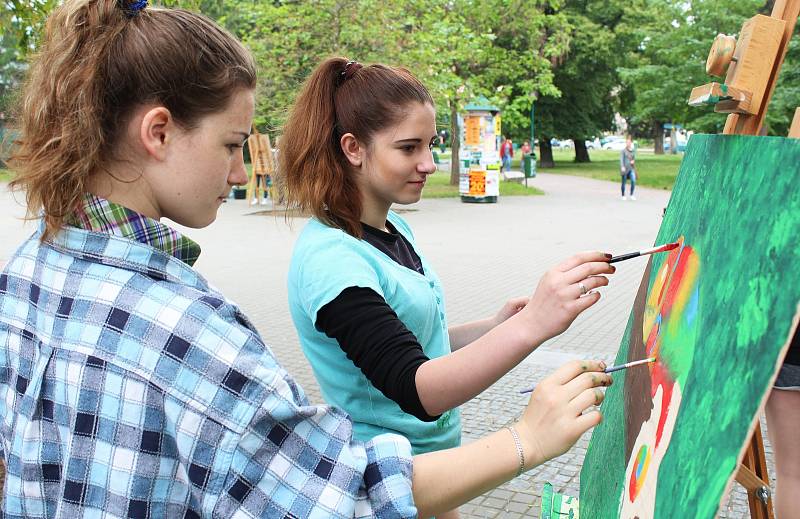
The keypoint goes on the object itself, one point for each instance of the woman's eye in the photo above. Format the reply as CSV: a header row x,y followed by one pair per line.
x,y
232,147
407,149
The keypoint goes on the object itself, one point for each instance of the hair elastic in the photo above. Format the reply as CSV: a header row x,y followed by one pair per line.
x,y
349,69
132,8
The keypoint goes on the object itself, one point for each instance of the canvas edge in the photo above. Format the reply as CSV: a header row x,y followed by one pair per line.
x,y
757,418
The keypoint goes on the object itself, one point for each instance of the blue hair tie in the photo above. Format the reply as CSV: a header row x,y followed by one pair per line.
x,y
132,8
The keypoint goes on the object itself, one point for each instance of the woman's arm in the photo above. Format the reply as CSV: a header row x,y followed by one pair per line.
x,y
392,359
563,293
552,422
463,334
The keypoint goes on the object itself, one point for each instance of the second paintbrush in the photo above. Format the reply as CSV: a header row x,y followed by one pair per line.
x,y
612,369
609,369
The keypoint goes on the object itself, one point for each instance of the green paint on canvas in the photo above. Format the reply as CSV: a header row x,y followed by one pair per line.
x,y
737,204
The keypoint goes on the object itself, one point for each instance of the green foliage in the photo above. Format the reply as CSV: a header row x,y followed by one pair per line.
x,y
579,60
675,37
459,49
530,38
587,75
22,22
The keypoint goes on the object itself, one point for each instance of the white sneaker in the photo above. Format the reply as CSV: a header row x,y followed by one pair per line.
x,y
254,201
633,197
264,201
624,198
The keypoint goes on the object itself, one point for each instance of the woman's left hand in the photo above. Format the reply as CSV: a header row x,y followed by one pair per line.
x,y
509,309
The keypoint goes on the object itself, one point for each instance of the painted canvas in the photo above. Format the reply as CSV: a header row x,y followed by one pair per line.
x,y
717,313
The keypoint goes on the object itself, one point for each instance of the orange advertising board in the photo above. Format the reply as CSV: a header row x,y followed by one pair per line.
x,y
472,131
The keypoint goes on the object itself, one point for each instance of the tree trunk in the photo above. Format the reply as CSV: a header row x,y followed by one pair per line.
x,y
658,137
455,143
581,153
545,153
673,140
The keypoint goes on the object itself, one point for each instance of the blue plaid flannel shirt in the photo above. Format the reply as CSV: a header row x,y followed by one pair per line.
x,y
131,388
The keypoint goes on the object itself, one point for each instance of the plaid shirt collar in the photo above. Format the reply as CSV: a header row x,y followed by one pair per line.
x,y
100,215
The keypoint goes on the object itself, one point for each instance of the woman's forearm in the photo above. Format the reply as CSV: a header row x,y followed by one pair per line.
x,y
449,381
463,334
557,414
445,479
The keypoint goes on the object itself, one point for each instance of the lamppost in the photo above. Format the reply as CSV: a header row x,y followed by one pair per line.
x,y
530,161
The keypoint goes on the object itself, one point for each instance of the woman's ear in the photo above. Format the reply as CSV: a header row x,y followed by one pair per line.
x,y
156,131
352,149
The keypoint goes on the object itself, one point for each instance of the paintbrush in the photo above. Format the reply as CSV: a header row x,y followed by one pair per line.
x,y
612,369
662,248
609,369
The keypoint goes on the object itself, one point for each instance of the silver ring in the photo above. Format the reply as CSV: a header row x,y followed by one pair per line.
x,y
583,289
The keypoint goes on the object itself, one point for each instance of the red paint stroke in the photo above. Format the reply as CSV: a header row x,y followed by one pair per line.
x,y
660,376
676,281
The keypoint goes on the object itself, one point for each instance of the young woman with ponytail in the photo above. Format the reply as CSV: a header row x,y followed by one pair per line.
x,y
129,386
368,307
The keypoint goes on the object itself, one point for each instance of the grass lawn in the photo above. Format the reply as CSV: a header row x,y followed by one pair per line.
x,y
438,186
658,171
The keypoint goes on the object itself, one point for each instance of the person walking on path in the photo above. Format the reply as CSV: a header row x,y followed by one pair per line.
x,y
627,161
133,388
506,154
368,307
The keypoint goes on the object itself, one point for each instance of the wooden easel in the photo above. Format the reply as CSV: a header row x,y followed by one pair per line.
x,y
753,63
263,166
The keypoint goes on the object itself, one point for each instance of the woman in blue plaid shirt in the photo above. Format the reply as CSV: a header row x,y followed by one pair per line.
x,y
129,386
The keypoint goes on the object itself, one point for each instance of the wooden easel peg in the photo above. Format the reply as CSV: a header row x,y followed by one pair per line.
x,y
726,99
721,54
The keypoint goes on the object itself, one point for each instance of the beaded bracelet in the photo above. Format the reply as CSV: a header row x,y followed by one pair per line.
x,y
520,452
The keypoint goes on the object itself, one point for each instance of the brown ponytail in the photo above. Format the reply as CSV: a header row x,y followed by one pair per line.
x,y
333,102
96,64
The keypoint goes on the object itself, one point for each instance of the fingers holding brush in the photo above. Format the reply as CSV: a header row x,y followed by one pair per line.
x,y
552,421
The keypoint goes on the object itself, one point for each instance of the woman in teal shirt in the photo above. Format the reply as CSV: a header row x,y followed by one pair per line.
x,y
368,307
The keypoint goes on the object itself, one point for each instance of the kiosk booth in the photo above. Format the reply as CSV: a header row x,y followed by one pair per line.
x,y
479,157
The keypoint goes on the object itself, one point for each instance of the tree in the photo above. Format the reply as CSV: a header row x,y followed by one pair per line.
x,y
674,39
586,77
498,49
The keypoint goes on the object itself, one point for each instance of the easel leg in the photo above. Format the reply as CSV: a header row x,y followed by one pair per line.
x,y
753,476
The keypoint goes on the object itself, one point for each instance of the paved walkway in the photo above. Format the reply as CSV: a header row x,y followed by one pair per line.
x,y
484,254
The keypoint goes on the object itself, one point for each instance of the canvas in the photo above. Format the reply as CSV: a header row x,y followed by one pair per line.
x,y
718,313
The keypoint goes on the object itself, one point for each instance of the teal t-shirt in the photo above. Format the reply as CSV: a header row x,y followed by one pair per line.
x,y
324,263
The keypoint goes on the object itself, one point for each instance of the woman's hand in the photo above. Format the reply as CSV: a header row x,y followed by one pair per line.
x,y
509,309
566,291
557,414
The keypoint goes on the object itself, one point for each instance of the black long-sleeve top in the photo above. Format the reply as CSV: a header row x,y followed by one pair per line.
x,y
371,334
